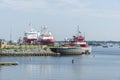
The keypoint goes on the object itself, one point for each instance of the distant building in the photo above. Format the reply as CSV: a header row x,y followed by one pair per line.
x,y
3,43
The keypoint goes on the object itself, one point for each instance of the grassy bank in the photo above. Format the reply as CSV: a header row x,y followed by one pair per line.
x,y
22,46
27,50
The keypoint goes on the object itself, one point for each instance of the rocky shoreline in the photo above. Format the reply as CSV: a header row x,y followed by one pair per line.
x,y
27,52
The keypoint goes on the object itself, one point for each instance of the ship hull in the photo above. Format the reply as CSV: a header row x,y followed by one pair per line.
x,y
72,50
47,42
29,40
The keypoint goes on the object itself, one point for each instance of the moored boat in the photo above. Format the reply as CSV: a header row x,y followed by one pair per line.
x,y
71,50
76,45
31,36
46,37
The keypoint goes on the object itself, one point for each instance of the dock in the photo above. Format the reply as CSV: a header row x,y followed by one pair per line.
x,y
8,63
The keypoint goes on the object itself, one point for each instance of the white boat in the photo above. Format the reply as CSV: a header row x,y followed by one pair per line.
x,y
105,45
46,37
31,36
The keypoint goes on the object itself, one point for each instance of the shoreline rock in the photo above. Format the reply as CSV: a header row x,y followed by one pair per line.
x,y
27,52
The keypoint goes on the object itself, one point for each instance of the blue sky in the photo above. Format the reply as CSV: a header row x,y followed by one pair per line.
x,y
98,19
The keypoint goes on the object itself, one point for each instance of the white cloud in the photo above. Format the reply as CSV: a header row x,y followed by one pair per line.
x,y
45,6
67,7
23,4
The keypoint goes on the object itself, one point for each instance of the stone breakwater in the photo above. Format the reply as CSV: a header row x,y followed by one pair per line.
x,y
27,52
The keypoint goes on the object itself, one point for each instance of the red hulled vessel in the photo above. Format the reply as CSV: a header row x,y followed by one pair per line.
x,y
46,37
31,36
76,45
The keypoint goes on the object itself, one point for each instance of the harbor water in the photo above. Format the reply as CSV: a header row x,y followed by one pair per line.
x,y
101,64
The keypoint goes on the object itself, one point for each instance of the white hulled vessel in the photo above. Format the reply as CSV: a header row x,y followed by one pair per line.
x,y
46,37
31,36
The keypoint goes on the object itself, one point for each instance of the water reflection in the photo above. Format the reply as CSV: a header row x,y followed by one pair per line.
x,y
85,67
59,71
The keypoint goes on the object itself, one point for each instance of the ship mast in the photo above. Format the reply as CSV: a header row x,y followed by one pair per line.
x,y
11,36
44,29
78,31
30,27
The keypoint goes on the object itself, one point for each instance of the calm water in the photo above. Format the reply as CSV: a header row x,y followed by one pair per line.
x,y
101,64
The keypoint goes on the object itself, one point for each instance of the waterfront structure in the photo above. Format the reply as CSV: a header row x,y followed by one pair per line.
x,y
3,43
